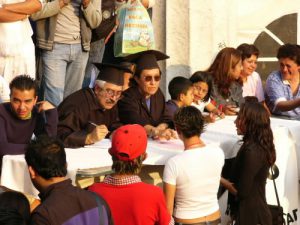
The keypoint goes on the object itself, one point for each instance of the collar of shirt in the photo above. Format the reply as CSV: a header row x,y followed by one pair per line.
x,y
122,181
286,82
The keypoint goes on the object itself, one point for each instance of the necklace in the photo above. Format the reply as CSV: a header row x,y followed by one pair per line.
x,y
196,145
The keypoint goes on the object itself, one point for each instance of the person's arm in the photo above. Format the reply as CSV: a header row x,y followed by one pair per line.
x,y
287,105
211,108
27,7
47,119
49,9
228,185
70,131
92,13
7,16
169,183
277,96
169,191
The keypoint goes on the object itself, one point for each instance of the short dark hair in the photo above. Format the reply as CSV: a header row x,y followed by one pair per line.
x,y
47,156
250,99
14,208
129,65
189,121
127,167
291,51
201,76
247,50
24,82
179,85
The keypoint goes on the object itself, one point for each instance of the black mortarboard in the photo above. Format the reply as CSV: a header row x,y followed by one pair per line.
x,y
146,59
111,73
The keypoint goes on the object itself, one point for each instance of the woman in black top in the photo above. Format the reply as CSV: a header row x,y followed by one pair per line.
x,y
257,154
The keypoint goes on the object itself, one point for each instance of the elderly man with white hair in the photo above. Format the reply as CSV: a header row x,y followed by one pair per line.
x,y
90,114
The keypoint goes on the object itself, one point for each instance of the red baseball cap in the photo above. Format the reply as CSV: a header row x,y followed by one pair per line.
x,y
129,142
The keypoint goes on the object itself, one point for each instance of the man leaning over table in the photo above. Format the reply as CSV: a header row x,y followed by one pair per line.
x,y
61,202
282,86
90,114
23,116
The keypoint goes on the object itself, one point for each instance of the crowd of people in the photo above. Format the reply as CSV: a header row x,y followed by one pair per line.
x,y
65,107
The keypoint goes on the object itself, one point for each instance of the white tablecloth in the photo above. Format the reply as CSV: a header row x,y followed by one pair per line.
x,y
222,133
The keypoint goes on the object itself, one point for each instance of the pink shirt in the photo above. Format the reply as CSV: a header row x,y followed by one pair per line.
x,y
253,87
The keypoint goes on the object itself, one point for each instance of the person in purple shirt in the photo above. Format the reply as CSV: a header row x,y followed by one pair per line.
x,y
23,116
282,86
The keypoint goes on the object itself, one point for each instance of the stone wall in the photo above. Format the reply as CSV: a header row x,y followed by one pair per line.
x,y
193,31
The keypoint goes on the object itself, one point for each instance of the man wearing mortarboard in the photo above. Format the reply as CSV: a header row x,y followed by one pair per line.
x,y
90,114
144,103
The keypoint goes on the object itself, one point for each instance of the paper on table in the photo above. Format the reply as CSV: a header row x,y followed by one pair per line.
x,y
105,144
169,145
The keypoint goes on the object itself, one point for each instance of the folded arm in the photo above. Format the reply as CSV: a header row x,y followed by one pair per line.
x,y
27,7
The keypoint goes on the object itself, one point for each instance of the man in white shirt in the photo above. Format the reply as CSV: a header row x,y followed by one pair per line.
x,y
17,53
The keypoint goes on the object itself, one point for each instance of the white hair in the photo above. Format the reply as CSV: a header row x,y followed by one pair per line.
x,y
100,83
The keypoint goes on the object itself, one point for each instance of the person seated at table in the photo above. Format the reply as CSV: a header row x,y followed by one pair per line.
x,y
225,71
14,208
61,202
257,154
23,116
191,179
182,94
252,85
90,114
131,200
202,84
144,103
282,86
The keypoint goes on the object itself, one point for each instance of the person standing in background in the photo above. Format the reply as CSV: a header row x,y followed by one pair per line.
x,y
102,46
64,34
17,54
257,154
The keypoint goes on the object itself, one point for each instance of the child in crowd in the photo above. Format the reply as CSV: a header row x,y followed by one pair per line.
x,y
182,94
202,84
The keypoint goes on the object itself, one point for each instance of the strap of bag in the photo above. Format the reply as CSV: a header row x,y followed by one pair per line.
x,y
275,188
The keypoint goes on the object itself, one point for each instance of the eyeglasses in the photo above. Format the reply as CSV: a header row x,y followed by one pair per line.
x,y
150,78
111,93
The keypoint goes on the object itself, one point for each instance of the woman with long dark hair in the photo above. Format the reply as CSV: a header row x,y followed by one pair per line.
x,y
257,154
225,71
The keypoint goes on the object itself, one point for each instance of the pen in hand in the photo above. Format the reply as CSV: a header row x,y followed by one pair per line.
x,y
92,123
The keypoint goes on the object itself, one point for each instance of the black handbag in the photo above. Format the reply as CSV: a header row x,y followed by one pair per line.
x,y
276,210
108,20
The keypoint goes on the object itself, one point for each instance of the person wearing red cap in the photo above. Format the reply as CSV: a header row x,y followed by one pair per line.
x,y
90,114
131,201
144,103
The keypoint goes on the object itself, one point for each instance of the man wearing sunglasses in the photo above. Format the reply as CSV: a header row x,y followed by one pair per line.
x,y
90,114
144,103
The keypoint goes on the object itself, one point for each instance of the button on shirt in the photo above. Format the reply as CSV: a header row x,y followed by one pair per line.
x,y
279,90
